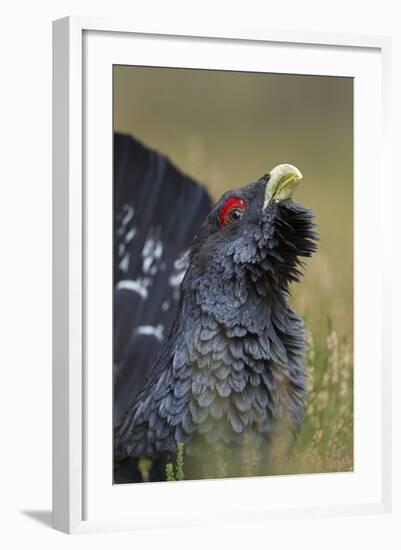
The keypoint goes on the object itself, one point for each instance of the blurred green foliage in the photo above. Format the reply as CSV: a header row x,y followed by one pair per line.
x,y
178,474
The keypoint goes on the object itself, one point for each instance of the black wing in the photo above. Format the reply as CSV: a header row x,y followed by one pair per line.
x,y
157,212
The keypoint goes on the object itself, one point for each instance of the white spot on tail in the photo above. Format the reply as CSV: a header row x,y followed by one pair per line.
x,y
180,268
138,286
124,264
176,278
150,330
128,216
151,254
130,235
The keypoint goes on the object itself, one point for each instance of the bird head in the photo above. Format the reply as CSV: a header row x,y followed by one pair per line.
x,y
251,245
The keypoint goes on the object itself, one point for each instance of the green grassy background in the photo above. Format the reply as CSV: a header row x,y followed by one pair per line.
x,y
228,128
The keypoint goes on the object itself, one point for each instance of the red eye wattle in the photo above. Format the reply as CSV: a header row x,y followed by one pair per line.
x,y
232,210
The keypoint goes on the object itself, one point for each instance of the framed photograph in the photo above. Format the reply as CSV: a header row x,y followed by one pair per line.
x,y
220,343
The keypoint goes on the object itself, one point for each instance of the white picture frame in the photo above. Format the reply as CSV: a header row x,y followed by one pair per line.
x,y
84,498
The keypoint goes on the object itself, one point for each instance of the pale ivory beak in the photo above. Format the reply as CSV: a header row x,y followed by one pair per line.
x,y
283,180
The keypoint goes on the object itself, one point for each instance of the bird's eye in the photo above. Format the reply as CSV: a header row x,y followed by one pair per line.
x,y
235,214
232,210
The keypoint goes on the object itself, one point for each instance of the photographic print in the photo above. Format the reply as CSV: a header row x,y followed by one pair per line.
x,y
232,274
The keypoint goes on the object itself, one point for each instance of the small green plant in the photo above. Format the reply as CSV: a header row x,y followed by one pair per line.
x,y
144,466
170,472
178,475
